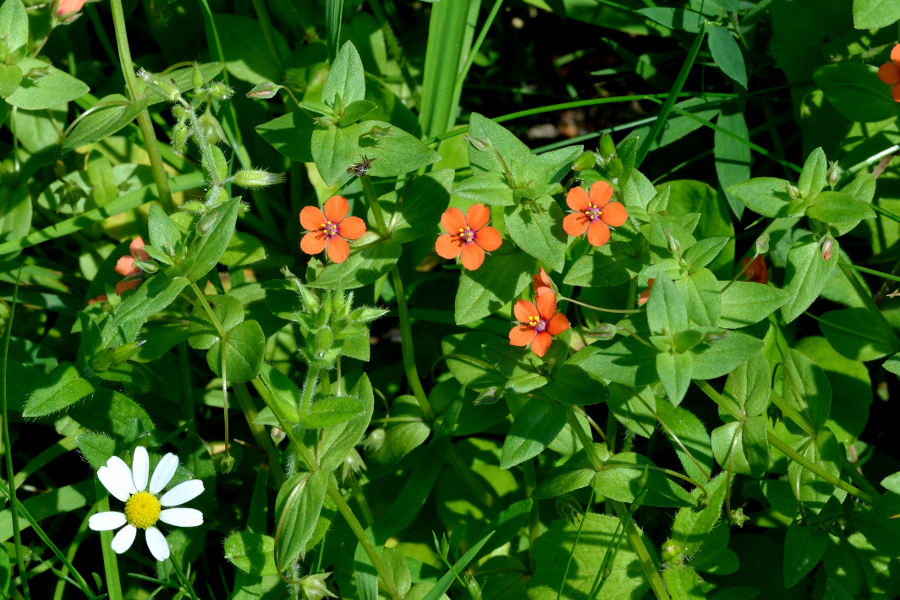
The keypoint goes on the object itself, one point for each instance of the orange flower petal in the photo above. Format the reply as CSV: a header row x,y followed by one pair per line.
x,y
448,246
557,324
125,266
546,304
352,228
614,214
478,216
521,335
889,73
524,309
472,256
136,247
453,220
895,92
895,55
577,199
312,218
598,233
541,281
338,250
488,238
313,242
126,284
756,269
336,209
575,224
601,192
644,297
541,343
100,298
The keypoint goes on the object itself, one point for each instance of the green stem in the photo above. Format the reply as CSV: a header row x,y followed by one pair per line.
x,y
666,108
372,198
637,544
144,122
623,311
185,585
110,563
7,443
473,51
801,460
383,573
881,274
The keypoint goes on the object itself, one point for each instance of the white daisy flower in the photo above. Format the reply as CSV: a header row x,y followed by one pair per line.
x,y
142,507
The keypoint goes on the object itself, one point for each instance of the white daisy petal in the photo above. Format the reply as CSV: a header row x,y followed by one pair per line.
x,y
163,472
140,468
105,521
182,517
123,539
159,548
116,478
181,493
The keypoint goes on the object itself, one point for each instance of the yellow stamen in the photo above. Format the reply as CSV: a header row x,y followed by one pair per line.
x,y
142,510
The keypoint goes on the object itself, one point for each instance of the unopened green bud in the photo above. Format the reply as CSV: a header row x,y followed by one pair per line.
x,y
197,77
179,137
793,191
226,464
277,434
479,144
256,178
374,440
584,162
353,465
604,331
607,147
180,112
314,587
761,245
165,88
834,174
147,266
59,169
204,226
827,247
673,244
473,588
324,340
264,90
219,91
715,336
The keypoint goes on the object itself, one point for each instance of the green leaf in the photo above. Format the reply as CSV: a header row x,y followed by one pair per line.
x,y
892,483
148,299
704,252
536,227
45,86
666,310
110,114
748,385
401,438
329,412
839,209
336,442
534,427
703,302
806,274
488,188
721,357
574,384
13,24
251,552
626,478
755,445
501,279
163,231
284,395
874,14
805,387
627,362
416,212
689,439
675,18
767,196
227,309
60,388
15,212
854,90
244,350
825,452
290,134
574,475
364,266
211,246
632,410
96,448
297,507
692,526
356,111
746,302
252,54
859,333
243,250
732,157
812,178
804,547
443,584
334,149
727,54
396,153
467,363
346,78
10,78
584,556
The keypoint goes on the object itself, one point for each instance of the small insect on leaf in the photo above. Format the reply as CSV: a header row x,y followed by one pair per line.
x,y
362,167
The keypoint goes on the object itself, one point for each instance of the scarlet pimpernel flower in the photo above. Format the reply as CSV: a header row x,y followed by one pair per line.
x,y
143,509
593,213
468,236
889,73
542,281
645,295
755,269
125,266
538,323
330,230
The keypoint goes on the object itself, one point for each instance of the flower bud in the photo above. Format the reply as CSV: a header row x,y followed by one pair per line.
x,y
180,113
65,9
584,162
604,331
264,90
179,137
219,91
256,178
827,247
166,89
761,245
353,464
674,246
606,148
715,336
147,266
314,587
834,174
793,191
473,588
374,441
197,77
478,143
277,434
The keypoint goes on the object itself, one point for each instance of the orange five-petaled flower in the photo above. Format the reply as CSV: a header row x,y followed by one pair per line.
x,y
125,266
755,269
538,324
889,73
330,230
467,235
593,213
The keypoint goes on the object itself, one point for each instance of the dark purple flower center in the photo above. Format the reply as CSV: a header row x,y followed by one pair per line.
x,y
466,235
538,323
592,212
330,229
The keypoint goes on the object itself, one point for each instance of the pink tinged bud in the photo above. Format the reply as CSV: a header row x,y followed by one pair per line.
x,y
264,90
67,7
827,247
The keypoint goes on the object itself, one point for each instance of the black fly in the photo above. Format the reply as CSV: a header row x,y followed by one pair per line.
x,y
362,167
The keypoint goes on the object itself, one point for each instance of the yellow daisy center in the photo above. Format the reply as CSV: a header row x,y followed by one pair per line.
x,y
142,510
